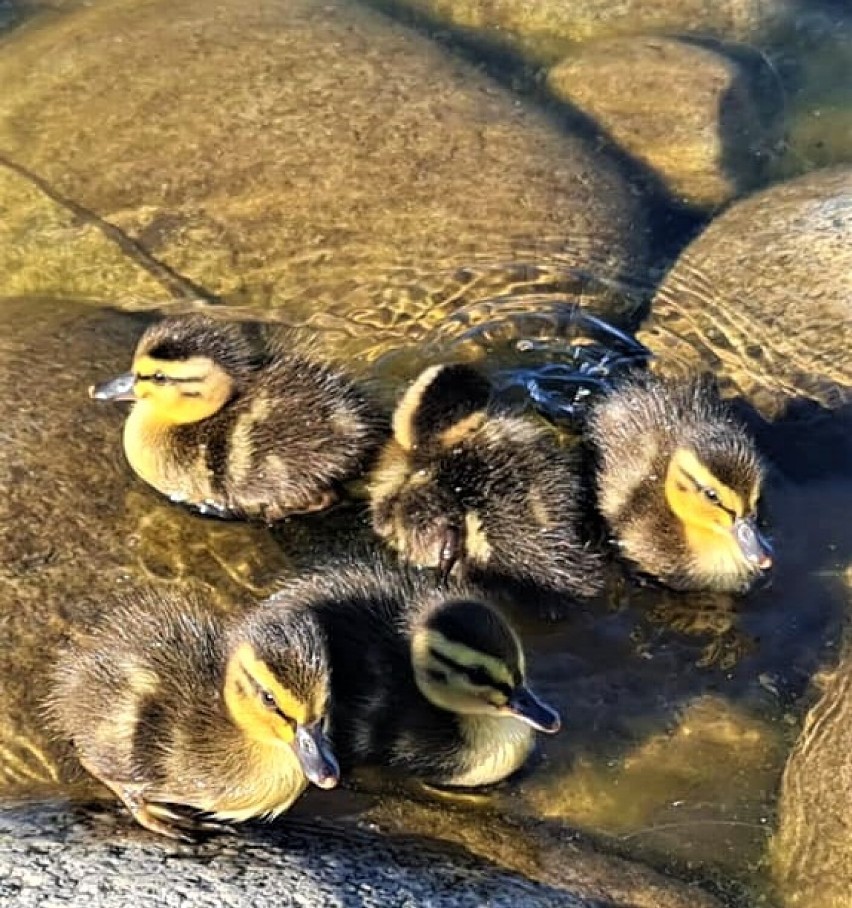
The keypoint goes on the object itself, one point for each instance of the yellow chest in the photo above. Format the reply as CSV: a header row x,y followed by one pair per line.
x,y
263,783
716,557
147,446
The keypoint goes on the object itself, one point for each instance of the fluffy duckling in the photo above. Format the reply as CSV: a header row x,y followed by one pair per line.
x,y
426,681
678,481
465,487
172,707
230,420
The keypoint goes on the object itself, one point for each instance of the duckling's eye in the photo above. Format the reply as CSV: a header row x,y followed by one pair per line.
x,y
159,378
268,700
712,496
479,677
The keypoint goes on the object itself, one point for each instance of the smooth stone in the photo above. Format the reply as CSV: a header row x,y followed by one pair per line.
x,y
763,297
819,116
668,788
697,117
312,157
545,30
44,247
812,851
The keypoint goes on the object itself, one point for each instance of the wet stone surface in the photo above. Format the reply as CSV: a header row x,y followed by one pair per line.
x,y
763,297
317,159
545,30
812,853
699,118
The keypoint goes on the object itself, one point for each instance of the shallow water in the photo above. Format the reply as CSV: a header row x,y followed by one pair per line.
x,y
678,710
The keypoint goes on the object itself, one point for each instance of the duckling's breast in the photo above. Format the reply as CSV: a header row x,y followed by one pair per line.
x,y
263,783
496,747
154,452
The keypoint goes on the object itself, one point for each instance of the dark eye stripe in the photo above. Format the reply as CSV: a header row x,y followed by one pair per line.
x,y
478,676
170,379
700,488
262,693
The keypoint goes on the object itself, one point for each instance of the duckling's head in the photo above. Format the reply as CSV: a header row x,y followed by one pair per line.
x,y
276,687
185,368
712,487
442,406
467,660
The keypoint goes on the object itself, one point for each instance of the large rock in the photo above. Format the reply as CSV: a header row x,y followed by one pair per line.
x,y
51,856
545,30
697,117
812,851
763,296
310,156
819,127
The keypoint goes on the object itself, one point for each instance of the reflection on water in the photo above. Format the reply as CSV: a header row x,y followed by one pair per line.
x,y
679,710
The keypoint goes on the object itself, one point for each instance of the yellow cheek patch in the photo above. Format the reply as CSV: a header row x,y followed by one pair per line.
x,y
289,704
201,389
244,674
689,503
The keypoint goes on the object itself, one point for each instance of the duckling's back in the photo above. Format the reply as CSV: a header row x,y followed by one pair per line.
x,y
133,692
296,431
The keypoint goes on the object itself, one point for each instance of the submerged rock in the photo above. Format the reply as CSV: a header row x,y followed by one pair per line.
x,y
544,30
819,103
698,118
812,851
763,297
309,156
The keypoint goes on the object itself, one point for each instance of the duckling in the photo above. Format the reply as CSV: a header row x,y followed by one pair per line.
x,y
233,421
173,707
679,481
467,488
426,681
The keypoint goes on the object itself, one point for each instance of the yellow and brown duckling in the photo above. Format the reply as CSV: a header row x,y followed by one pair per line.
x,y
467,488
429,682
172,707
233,420
678,482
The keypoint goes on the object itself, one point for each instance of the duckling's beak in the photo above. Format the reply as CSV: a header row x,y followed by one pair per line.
x,y
120,388
526,705
315,755
754,546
